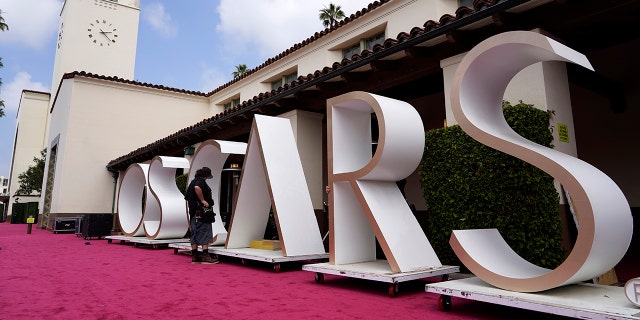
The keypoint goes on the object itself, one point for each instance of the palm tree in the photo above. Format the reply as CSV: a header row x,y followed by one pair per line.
x,y
330,16
240,70
1,102
3,26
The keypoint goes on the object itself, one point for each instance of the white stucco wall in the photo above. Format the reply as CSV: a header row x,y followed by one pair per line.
x,y
307,130
394,17
96,121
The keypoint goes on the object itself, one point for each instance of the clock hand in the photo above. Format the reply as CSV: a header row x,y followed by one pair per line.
x,y
105,34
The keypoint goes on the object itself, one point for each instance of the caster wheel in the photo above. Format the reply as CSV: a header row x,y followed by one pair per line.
x,y
276,267
444,303
109,240
445,277
393,289
175,251
244,262
319,277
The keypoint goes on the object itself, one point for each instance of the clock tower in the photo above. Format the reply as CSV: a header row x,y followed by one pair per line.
x,y
97,36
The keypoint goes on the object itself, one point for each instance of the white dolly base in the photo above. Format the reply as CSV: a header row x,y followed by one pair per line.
x,y
583,301
143,240
378,270
271,256
185,247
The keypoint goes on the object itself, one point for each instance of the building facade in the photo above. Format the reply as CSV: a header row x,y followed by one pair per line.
x,y
406,50
4,186
30,131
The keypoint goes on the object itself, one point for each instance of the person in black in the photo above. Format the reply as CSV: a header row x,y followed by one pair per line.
x,y
199,196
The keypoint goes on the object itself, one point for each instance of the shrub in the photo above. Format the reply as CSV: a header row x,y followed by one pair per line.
x,y
470,186
181,182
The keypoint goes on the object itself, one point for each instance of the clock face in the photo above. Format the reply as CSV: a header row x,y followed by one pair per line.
x,y
60,33
102,33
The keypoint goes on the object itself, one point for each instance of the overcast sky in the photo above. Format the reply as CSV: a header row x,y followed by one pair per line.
x,y
187,44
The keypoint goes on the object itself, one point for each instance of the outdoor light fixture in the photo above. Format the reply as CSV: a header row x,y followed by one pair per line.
x,y
188,151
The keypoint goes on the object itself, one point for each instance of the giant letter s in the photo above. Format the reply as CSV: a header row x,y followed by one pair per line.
x,y
606,224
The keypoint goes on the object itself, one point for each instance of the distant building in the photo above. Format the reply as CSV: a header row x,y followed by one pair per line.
x,y
4,186
4,196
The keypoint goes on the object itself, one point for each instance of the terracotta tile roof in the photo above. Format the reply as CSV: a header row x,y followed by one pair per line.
x,y
34,91
298,46
430,29
137,83
295,47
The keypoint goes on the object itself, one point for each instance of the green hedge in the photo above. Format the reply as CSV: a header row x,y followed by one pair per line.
x,y
181,182
470,186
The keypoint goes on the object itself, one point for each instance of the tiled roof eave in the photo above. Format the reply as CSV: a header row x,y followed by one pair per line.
x,y
448,23
347,20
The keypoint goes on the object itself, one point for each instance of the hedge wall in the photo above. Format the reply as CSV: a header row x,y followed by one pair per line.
x,y
181,182
470,186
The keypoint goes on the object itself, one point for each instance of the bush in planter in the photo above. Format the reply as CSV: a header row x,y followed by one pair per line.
x,y
470,186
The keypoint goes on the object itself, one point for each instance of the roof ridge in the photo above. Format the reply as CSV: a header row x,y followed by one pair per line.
x,y
128,81
402,37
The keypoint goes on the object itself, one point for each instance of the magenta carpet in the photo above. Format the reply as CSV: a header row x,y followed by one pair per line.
x,y
61,276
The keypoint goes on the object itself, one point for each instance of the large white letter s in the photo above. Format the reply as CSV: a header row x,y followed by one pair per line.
x,y
605,218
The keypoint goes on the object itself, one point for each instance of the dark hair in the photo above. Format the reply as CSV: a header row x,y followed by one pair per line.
x,y
205,172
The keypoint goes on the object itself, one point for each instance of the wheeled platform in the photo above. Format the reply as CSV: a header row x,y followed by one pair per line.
x,y
378,270
183,247
275,257
143,240
583,301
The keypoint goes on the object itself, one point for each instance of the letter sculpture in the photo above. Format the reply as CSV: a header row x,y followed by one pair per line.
x,y
632,291
213,154
365,202
606,224
130,196
168,219
272,177
162,214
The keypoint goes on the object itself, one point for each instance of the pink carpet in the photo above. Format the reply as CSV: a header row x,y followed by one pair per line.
x,y
57,276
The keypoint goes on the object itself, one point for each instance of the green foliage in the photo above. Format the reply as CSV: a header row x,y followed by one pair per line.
x,y
470,186
31,180
241,69
3,25
331,15
181,182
